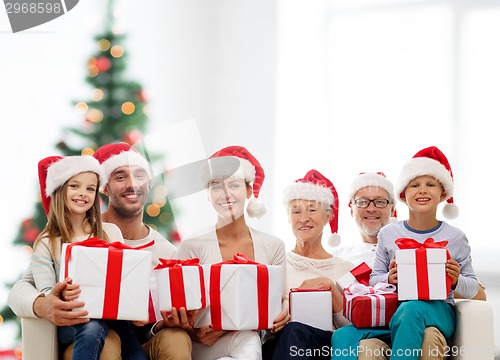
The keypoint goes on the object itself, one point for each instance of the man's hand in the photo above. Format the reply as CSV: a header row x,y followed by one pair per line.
x,y
57,311
206,335
185,320
182,319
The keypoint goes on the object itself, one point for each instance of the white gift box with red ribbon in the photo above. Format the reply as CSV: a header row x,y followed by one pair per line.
x,y
113,277
243,295
180,284
312,307
422,270
370,306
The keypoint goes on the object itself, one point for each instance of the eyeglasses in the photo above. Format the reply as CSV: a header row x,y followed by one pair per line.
x,y
378,203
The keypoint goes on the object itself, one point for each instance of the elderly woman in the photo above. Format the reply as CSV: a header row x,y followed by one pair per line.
x,y
311,204
233,176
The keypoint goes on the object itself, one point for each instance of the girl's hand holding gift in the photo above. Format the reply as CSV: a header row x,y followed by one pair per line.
x,y
71,291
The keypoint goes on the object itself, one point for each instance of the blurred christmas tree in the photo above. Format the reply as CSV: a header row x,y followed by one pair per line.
x,y
115,112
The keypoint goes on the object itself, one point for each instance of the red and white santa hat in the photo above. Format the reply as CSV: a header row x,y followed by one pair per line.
x,y
373,180
315,186
250,170
113,156
54,171
430,161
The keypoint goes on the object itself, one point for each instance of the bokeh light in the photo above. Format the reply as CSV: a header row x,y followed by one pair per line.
x,y
117,51
128,108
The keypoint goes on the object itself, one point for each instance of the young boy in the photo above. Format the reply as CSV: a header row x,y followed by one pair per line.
x,y
425,181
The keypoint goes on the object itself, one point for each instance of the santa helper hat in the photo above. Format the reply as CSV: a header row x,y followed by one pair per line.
x,y
315,186
249,170
54,171
373,180
430,161
113,156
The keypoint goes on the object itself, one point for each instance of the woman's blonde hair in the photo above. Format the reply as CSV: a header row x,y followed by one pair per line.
x,y
59,229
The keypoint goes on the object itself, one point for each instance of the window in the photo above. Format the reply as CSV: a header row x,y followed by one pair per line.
x,y
416,73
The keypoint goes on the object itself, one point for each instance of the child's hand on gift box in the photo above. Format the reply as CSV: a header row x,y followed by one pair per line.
x,y
71,291
453,271
392,276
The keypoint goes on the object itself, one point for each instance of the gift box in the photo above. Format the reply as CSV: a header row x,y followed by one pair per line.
x,y
370,306
243,295
358,275
113,277
180,284
153,302
311,307
422,270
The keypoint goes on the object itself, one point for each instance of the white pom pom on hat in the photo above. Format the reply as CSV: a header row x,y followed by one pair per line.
x,y
430,161
249,170
315,186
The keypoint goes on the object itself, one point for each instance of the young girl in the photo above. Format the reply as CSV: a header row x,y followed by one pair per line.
x,y
229,188
69,188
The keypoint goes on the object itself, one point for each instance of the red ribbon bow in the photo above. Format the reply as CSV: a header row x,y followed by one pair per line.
x,y
407,243
262,293
421,262
113,270
166,263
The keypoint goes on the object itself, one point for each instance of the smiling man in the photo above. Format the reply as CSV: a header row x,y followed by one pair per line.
x,y
129,181
371,199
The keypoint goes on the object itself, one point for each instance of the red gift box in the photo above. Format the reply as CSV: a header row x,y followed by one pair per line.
x,y
422,269
370,306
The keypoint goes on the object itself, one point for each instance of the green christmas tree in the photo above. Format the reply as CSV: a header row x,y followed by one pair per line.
x,y
116,111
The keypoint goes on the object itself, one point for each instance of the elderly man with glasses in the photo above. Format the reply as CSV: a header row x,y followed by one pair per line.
x,y
371,199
